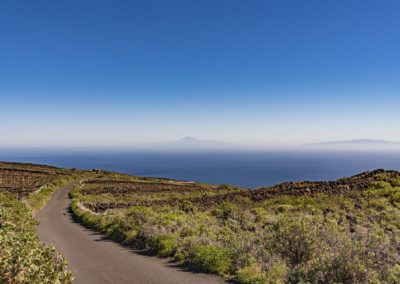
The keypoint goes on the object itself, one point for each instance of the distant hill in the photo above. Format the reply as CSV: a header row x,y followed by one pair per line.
x,y
359,144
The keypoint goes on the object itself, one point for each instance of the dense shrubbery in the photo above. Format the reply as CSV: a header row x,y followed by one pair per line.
x,y
348,238
23,259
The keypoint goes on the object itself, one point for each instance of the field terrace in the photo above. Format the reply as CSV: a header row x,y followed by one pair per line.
x,y
23,179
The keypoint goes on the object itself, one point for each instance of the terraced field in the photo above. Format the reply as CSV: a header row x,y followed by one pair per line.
x,y
101,194
344,231
23,179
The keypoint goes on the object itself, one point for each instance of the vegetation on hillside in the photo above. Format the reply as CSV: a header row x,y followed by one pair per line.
x,y
23,259
346,231
24,189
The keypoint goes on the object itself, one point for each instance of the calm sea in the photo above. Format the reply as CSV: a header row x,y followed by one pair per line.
x,y
246,169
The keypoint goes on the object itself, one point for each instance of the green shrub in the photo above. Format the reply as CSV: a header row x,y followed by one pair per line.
x,y
394,274
179,257
140,215
260,213
381,184
186,206
294,240
276,274
165,245
395,182
228,210
210,258
251,273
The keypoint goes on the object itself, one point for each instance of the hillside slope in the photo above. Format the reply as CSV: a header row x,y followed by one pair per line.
x,y
346,231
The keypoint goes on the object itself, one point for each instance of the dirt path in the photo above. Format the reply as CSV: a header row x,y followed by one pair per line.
x,y
95,259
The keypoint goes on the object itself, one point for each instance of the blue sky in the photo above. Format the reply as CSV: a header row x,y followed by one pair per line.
x,y
116,73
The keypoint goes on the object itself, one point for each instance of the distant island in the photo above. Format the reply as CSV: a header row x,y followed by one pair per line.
x,y
192,143
358,144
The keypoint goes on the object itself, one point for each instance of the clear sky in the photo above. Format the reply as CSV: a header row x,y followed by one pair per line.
x,y
116,73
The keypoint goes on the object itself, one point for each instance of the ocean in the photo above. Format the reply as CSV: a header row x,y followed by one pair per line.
x,y
249,169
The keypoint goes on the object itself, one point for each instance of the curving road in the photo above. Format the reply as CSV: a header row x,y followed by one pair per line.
x,y
94,259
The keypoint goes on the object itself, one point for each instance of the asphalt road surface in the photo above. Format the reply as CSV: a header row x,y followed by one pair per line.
x,y
95,259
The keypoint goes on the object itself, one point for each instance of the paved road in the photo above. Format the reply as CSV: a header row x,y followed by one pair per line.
x,y
94,259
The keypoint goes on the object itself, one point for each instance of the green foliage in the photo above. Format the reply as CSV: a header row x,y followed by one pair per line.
x,y
253,274
395,182
165,245
260,213
295,241
394,274
23,259
226,210
250,274
179,257
210,258
186,206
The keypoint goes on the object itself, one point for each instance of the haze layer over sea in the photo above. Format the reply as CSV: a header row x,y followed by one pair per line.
x,y
242,168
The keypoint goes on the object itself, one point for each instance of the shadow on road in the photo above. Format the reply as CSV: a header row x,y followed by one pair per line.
x,y
168,262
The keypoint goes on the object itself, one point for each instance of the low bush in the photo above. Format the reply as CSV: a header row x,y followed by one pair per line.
x,y
210,258
295,240
164,245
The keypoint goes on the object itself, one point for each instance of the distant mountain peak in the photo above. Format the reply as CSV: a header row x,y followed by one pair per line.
x,y
189,138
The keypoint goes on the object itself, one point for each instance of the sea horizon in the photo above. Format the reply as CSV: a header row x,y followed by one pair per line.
x,y
243,168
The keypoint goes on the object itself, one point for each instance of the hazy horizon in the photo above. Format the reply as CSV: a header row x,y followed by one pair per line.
x,y
262,73
190,144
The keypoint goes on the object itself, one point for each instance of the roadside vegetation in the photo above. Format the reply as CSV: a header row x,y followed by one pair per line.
x,y
346,231
38,199
23,259
24,189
